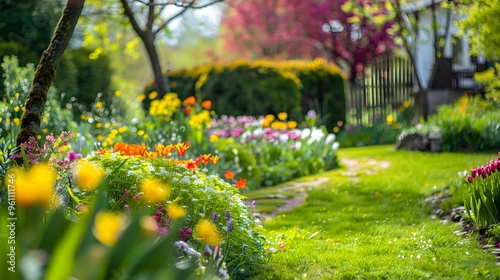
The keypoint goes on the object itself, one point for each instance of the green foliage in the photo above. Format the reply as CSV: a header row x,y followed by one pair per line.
x,y
81,78
200,193
239,158
17,84
469,124
381,130
263,87
481,28
282,161
29,24
74,252
377,134
491,80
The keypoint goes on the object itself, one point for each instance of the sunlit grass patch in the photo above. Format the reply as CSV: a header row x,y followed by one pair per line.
x,y
378,226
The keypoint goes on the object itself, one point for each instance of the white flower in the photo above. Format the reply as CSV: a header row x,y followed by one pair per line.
x,y
330,138
335,146
283,138
305,133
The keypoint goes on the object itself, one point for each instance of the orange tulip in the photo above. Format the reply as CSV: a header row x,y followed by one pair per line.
x,y
241,183
207,104
229,175
181,148
189,101
214,159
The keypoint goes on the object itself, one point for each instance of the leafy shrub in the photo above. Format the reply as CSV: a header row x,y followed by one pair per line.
x,y
81,78
263,87
279,152
202,194
491,80
140,196
383,131
469,124
17,84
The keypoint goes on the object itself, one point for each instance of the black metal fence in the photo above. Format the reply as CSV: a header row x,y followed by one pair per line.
x,y
387,84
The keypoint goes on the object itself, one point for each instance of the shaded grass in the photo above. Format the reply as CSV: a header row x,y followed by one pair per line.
x,y
378,227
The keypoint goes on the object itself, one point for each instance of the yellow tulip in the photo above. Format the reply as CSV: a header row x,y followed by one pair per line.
x,y
108,226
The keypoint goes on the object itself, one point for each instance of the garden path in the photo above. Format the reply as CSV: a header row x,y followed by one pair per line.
x,y
355,167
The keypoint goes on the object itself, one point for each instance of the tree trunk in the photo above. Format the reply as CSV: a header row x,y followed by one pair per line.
x,y
46,71
162,86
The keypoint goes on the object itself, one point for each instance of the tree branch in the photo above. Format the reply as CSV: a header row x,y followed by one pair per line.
x,y
151,15
130,15
189,6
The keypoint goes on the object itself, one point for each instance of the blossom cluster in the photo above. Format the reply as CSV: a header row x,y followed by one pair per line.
x,y
485,170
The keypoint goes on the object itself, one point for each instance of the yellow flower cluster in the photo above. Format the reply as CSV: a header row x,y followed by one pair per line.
x,y
280,124
202,119
166,106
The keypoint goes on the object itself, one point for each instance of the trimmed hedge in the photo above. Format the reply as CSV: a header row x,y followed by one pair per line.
x,y
264,87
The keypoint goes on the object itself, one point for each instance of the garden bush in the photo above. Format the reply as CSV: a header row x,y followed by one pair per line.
x,y
469,124
149,193
263,87
73,76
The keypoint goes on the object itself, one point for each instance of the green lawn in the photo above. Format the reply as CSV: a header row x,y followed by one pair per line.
x,y
368,222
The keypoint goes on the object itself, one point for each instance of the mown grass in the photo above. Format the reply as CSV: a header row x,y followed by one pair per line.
x,y
377,226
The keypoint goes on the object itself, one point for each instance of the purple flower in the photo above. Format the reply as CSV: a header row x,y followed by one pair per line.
x,y
186,233
469,179
72,156
230,226
214,216
474,173
126,209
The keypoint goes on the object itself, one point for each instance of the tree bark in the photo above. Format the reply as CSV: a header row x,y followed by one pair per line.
x,y
162,86
46,71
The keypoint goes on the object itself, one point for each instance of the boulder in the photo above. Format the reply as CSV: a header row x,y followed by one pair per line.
x,y
428,141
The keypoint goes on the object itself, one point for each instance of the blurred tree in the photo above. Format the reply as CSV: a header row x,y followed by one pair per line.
x,y
267,28
149,19
483,29
415,31
46,71
351,33
27,25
